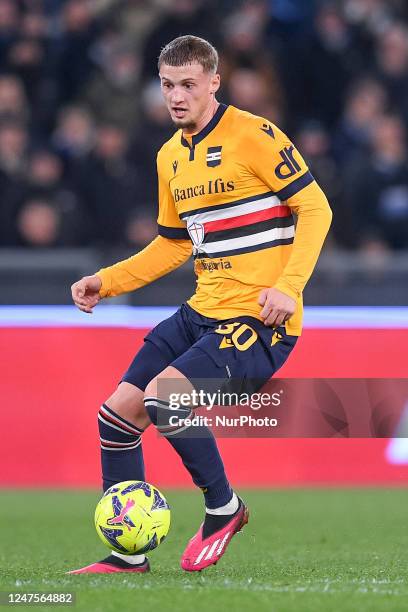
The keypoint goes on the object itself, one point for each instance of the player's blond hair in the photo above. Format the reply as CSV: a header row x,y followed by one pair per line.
x,y
188,50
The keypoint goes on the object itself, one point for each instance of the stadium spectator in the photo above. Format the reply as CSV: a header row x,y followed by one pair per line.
x,y
13,155
133,20
154,129
43,183
34,24
179,17
377,189
13,101
289,17
245,55
314,142
45,178
392,66
141,229
37,224
244,29
68,64
73,137
365,103
328,59
373,16
110,186
250,90
113,94
73,63
9,27
13,149
27,60
43,222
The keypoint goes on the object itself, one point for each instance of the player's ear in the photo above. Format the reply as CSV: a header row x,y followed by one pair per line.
x,y
215,83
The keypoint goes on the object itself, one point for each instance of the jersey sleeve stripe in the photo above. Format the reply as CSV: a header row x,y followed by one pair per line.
x,y
295,186
175,233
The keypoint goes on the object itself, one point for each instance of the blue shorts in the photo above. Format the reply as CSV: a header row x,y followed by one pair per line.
x,y
225,353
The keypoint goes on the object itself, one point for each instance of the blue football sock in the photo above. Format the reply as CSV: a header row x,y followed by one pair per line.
x,y
197,448
121,448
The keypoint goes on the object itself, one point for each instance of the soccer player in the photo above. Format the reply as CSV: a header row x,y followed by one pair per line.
x,y
229,183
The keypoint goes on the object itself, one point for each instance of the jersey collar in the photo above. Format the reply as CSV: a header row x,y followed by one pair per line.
x,y
207,129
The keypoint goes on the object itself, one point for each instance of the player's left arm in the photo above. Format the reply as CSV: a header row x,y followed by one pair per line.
x,y
280,165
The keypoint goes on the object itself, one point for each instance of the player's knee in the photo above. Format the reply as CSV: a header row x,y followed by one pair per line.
x,y
150,400
127,402
164,413
151,389
156,396
168,383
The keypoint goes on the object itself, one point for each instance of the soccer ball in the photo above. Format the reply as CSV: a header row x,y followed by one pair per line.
x,y
132,517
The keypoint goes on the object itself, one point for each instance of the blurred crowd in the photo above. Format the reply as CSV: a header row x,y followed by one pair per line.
x,y
81,114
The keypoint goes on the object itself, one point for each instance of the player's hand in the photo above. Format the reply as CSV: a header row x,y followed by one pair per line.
x,y
277,307
85,292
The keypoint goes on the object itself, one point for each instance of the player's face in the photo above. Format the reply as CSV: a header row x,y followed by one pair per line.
x,y
188,92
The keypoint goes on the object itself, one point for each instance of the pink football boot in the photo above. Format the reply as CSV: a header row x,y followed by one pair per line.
x,y
200,553
112,565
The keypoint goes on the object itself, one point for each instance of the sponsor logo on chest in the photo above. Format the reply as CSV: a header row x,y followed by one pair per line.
x,y
212,187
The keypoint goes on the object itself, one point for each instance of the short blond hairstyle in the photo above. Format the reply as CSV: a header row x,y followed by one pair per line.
x,y
188,50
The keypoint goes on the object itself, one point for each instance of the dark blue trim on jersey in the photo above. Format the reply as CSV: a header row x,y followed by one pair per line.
x,y
295,186
206,130
176,233
247,230
254,198
191,149
248,249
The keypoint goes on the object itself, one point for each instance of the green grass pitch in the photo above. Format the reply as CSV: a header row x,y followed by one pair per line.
x,y
315,549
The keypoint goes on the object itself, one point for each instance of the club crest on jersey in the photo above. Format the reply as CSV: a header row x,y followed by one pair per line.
x,y
213,156
196,231
175,164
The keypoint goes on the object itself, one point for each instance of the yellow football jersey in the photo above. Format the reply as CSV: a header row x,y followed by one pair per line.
x,y
232,189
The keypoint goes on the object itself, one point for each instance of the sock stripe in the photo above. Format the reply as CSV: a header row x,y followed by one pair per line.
x,y
116,425
105,446
104,408
113,418
155,401
121,449
160,412
109,424
171,431
124,445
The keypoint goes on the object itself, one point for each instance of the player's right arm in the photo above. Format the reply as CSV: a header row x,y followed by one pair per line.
x,y
85,292
169,250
